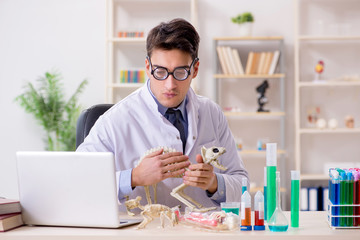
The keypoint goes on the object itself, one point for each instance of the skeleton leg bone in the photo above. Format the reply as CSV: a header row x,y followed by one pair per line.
x,y
180,191
179,194
209,156
146,221
155,195
147,192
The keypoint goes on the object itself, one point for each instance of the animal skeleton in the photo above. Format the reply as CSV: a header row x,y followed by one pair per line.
x,y
210,156
147,190
152,211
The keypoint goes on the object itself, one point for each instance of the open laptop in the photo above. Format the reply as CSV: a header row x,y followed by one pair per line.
x,y
69,189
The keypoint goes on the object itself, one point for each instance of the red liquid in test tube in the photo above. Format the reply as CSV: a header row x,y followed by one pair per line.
x,y
259,211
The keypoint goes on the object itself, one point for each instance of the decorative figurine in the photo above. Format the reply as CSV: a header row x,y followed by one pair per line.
x,y
312,116
262,100
332,123
321,123
349,121
152,211
210,156
319,68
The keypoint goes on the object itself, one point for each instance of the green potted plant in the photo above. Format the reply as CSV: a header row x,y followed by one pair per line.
x,y
57,116
245,21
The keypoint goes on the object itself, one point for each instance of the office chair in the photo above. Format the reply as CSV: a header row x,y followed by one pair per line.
x,y
87,119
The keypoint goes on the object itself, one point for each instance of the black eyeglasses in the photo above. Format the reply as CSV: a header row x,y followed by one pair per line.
x,y
179,73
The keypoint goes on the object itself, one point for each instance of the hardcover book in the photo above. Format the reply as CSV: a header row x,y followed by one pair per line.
x,y
9,206
10,221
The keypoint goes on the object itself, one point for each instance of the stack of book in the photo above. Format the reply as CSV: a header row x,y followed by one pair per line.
x,y
128,34
258,63
230,61
10,214
262,62
132,76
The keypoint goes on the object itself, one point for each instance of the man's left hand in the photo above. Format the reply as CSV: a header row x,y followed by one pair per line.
x,y
201,175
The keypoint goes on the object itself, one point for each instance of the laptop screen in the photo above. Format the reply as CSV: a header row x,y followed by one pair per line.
x,y
68,188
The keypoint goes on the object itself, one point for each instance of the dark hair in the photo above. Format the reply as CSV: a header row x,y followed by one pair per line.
x,y
176,34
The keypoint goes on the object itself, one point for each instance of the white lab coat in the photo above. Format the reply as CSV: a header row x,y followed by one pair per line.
x,y
134,125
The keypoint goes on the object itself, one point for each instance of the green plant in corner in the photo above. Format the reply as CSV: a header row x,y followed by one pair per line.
x,y
243,18
57,116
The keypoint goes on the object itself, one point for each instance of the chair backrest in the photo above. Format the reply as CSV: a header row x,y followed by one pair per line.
x,y
87,119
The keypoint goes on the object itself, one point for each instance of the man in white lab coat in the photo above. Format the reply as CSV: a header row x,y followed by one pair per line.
x,y
140,122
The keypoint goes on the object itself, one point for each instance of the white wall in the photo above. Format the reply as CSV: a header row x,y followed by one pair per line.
x,y
39,36
69,35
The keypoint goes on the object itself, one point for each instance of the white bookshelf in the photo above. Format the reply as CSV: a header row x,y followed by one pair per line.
x,y
128,53
254,114
321,34
226,92
247,76
327,38
261,153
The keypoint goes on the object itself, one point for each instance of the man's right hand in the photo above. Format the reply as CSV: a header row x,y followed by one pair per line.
x,y
156,167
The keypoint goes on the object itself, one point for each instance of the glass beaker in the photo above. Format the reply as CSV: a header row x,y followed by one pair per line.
x,y
278,221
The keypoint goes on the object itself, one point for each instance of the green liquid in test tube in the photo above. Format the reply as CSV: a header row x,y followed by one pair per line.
x,y
343,194
349,199
271,154
295,191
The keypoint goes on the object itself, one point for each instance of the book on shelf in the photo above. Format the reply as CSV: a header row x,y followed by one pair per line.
x,y
132,76
9,206
313,198
255,63
274,62
269,56
130,34
230,60
237,60
222,60
262,62
249,63
260,67
10,221
227,60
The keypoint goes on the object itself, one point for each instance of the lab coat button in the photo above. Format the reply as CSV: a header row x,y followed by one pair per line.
x,y
194,137
178,137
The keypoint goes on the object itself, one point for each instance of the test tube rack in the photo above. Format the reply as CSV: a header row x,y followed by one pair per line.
x,y
332,217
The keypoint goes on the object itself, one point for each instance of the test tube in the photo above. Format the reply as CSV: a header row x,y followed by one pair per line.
x,y
343,193
265,195
349,198
295,192
356,198
259,211
334,195
246,212
271,154
244,185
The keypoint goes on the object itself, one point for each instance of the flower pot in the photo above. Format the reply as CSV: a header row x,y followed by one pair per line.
x,y
246,29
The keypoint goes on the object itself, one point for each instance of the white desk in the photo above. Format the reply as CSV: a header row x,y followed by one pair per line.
x,y
313,225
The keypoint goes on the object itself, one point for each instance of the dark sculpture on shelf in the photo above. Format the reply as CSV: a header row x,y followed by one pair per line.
x,y
262,100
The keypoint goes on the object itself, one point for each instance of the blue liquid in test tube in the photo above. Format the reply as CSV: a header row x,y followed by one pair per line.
x,y
244,185
334,196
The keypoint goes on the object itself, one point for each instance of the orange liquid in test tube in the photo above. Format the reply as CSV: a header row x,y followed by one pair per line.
x,y
247,220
